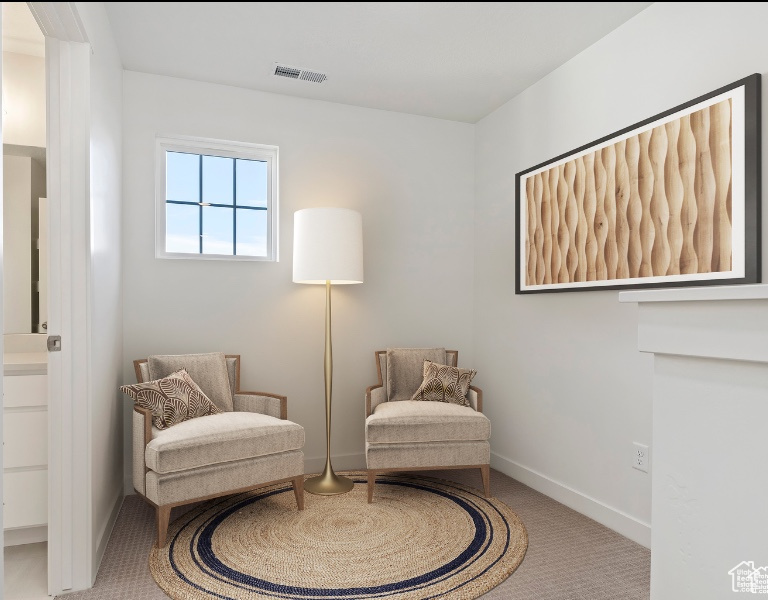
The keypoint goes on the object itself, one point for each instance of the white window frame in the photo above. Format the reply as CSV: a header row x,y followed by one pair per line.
x,y
225,149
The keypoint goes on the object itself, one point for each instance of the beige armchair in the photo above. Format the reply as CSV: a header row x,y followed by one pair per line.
x,y
406,435
249,445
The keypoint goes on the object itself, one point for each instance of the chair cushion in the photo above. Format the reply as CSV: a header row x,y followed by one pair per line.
x,y
184,486
208,370
172,400
220,438
231,369
443,383
405,370
416,421
435,455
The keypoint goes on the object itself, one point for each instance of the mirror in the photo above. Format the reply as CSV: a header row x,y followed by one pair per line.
x,y
25,235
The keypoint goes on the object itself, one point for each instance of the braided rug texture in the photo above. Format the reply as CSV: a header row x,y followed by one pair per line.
x,y
421,538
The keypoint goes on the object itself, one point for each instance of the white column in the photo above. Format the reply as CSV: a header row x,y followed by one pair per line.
x,y
710,437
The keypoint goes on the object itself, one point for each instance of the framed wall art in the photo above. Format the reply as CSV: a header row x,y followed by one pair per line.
x,y
671,201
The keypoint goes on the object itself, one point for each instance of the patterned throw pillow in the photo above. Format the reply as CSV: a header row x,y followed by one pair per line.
x,y
443,383
173,399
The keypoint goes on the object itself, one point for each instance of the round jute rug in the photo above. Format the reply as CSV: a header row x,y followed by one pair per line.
x,y
421,538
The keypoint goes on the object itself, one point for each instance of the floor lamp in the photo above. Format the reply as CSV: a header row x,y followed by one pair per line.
x,y
328,249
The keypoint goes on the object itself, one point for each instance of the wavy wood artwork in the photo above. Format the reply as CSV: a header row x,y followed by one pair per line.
x,y
579,187
622,216
656,203
538,240
571,220
546,223
554,179
634,207
590,208
645,189
611,254
601,220
689,262
673,184
531,234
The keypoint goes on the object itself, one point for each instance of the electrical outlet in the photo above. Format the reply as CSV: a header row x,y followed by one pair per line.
x,y
640,457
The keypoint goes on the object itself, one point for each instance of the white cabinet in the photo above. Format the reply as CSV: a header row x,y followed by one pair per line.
x,y
25,391
26,439
25,451
25,498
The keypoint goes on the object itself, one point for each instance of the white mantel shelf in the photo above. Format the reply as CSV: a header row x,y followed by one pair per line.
x,y
698,294
710,407
728,322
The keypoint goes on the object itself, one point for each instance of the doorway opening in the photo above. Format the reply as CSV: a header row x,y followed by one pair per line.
x,y
25,307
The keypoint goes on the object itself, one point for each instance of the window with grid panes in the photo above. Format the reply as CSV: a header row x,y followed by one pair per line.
x,y
216,200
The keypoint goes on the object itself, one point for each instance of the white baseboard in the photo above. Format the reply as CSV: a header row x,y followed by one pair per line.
x,y
25,535
622,523
105,533
342,462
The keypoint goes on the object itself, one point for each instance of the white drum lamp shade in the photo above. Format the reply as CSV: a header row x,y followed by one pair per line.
x,y
327,246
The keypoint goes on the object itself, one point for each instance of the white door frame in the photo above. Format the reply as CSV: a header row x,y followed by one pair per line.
x,y
67,56
2,348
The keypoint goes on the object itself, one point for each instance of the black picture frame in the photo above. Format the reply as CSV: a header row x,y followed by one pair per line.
x,y
752,200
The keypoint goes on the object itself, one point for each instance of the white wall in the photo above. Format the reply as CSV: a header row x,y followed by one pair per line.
x,y
24,93
567,390
105,284
410,177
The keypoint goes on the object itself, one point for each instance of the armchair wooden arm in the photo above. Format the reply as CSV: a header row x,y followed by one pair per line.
x,y
141,436
374,390
478,405
147,414
247,402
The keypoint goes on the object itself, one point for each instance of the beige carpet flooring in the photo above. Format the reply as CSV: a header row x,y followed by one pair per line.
x,y
570,557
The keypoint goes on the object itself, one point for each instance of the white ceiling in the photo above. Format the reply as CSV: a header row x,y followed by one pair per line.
x,y
21,33
451,60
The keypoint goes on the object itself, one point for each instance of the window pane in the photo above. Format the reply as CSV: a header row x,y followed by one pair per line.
x,y
217,179
182,181
217,230
182,228
251,182
251,232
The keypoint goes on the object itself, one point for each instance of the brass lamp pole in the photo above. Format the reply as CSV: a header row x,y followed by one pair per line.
x,y
328,248
328,482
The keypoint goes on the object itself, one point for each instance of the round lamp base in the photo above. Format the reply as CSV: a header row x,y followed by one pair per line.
x,y
328,484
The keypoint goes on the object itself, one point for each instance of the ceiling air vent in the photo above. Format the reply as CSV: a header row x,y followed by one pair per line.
x,y
282,71
298,73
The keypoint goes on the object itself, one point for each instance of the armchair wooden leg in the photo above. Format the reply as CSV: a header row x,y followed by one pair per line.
x,y
371,483
485,471
163,515
298,491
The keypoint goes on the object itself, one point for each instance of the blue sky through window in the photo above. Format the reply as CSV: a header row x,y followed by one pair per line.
x,y
182,228
252,183
250,239
237,188
182,177
217,230
218,179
